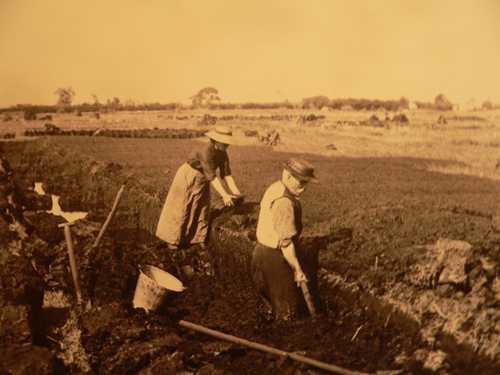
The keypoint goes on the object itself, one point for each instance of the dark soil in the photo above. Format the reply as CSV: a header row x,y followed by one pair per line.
x,y
365,211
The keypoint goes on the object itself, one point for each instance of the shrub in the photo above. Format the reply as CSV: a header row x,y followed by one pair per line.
x,y
442,103
29,114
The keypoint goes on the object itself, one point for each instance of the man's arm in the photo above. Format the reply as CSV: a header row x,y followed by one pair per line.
x,y
232,185
291,257
217,185
284,224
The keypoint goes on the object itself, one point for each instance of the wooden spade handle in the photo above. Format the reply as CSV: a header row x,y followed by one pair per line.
x,y
269,349
308,298
72,261
110,216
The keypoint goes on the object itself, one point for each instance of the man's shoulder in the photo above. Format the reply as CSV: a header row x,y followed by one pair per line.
x,y
276,188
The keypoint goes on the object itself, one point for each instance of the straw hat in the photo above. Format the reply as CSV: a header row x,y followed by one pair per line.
x,y
221,134
300,169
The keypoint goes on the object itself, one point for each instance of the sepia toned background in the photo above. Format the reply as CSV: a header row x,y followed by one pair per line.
x,y
395,103
250,50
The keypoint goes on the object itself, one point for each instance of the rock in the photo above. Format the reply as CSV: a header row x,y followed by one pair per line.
x,y
487,264
432,360
436,360
453,255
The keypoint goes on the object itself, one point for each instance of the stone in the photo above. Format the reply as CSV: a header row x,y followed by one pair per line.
x,y
452,255
436,360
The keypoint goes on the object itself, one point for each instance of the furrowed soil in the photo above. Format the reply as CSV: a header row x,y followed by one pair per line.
x,y
374,221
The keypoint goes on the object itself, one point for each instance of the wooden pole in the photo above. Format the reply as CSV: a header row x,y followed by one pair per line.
x,y
308,298
269,349
110,216
72,260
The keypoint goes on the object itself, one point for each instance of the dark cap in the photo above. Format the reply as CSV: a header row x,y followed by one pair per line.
x,y
300,169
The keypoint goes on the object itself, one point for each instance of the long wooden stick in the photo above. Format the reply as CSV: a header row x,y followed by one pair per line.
x,y
269,349
308,298
110,216
72,260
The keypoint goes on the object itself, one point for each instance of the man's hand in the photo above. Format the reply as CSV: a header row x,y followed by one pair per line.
x,y
228,200
300,277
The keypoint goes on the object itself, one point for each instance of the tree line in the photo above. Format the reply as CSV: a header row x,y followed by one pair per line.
x,y
209,98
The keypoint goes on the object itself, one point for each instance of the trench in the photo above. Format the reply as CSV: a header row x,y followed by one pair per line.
x,y
357,329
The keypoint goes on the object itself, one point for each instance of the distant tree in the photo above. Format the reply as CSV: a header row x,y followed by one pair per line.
x,y
404,103
205,97
315,102
129,103
424,105
96,100
487,105
30,114
442,103
65,96
115,104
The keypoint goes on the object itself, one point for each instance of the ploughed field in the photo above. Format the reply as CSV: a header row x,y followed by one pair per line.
x,y
374,222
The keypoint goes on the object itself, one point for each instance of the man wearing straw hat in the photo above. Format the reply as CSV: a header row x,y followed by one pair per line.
x,y
184,219
276,269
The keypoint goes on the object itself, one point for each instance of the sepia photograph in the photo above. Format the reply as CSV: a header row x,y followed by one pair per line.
x,y
250,187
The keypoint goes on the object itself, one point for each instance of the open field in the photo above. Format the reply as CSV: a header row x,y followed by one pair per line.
x,y
469,139
400,189
395,207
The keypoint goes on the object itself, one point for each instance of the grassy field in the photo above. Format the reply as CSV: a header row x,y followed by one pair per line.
x,y
471,140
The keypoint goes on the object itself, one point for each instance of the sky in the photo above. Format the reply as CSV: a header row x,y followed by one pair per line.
x,y
253,50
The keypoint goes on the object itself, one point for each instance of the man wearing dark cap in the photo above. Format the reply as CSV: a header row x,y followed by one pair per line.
x,y
276,269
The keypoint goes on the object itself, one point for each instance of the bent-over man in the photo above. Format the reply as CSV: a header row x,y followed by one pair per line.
x,y
276,267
